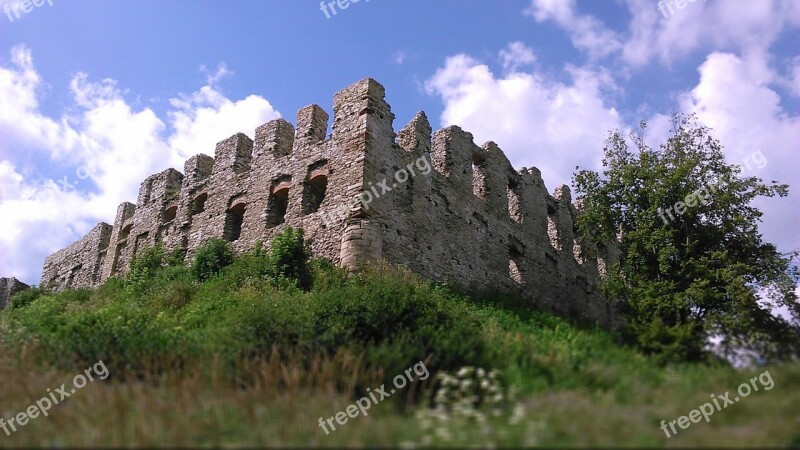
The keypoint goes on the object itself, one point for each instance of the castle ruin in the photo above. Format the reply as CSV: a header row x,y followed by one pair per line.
x,y
473,220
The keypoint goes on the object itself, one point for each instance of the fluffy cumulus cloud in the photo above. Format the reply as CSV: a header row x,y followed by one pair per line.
x,y
735,97
59,176
537,121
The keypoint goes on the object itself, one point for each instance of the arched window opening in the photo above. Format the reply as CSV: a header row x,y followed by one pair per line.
x,y
478,177
314,193
169,214
233,222
199,203
125,232
552,227
277,205
515,261
278,201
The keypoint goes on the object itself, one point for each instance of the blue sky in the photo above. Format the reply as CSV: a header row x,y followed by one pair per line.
x,y
95,96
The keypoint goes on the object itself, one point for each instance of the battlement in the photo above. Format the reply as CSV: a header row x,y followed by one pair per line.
x,y
436,202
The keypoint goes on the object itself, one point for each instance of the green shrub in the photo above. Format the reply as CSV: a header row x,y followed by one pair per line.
x,y
176,257
289,254
144,266
211,258
172,289
76,297
398,317
326,275
24,298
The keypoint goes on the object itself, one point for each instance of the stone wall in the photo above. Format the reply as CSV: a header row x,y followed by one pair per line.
x,y
9,287
79,264
437,203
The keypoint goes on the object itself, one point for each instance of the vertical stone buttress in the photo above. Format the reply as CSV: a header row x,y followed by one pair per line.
x,y
363,124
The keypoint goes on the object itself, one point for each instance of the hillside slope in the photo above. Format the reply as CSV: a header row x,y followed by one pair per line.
x,y
249,359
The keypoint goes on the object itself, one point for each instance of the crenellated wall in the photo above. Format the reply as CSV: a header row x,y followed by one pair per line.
x,y
462,214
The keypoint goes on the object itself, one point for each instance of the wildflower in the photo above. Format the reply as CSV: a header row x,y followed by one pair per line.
x,y
443,434
518,414
464,371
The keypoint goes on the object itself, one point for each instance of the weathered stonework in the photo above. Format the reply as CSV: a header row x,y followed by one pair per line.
x,y
9,287
471,219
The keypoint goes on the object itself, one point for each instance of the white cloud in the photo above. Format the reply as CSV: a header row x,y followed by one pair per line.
x,y
536,121
212,79
102,147
557,126
586,32
720,24
207,116
20,124
735,98
794,77
516,55
399,57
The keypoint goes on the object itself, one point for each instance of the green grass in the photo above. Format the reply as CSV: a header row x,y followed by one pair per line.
x,y
243,359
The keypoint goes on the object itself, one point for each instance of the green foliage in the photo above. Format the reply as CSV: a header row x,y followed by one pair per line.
x,y
24,298
211,258
685,277
144,266
152,265
388,316
289,254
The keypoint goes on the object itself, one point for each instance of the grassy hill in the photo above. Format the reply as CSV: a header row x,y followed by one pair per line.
x,y
247,358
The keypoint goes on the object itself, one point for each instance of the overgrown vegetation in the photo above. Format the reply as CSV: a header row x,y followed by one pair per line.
x,y
253,356
220,307
211,258
692,266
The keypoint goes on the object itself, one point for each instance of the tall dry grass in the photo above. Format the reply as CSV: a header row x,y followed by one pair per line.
x,y
272,401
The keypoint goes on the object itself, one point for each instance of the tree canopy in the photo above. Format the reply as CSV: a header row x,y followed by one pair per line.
x,y
693,264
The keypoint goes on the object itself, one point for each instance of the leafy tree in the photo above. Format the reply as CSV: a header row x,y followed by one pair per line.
x,y
693,270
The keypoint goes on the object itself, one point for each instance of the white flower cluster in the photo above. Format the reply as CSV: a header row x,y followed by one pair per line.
x,y
473,399
467,394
